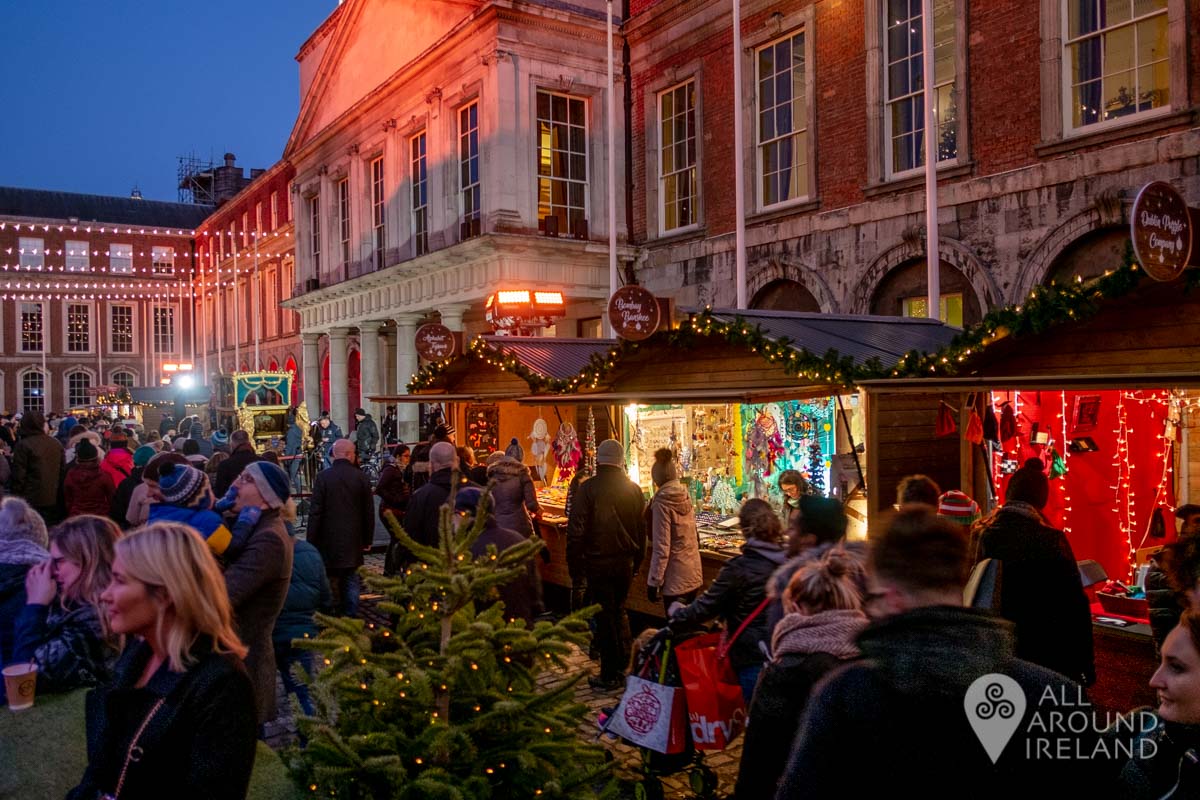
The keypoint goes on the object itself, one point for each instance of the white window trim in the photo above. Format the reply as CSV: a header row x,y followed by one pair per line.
x,y
378,246
460,189
175,341
111,256
92,322
154,260
47,388
45,326
587,153
343,216
656,164
274,210
1066,94
66,382
108,317
35,252
692,71
413,177
67,256
112,374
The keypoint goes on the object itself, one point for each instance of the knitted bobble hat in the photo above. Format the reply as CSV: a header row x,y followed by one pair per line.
x,y
271,481
180,484
954,506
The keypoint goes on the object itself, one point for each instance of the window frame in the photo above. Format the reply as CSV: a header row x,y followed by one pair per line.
x,y
155,252
659,145
375,169
568,180
419,182
314,232
67,389
41,304
470,224
112,328
113,269
45,397
89,305
342,214
157,349
69,246
36,258
274,210
112,376
758,144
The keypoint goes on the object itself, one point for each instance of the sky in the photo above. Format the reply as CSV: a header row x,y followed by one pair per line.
x,y
100,97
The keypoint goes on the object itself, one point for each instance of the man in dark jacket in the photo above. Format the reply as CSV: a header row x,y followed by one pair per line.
x,y
366,438
422,515
1041,592
522,596
197,432
390,427
341,524
241,454
39,466
894,723
325,433
293,446
307,593
606,541
1166,603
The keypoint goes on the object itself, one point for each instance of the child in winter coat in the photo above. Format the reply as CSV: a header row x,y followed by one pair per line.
x,y
188,499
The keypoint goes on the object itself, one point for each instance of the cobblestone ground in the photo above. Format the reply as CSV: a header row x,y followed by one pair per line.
x,y
627,759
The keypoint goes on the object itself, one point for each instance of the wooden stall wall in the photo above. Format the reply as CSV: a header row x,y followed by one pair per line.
x,y
902,440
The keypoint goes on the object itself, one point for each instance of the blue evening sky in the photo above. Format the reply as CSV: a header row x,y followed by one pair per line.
x,y
101,96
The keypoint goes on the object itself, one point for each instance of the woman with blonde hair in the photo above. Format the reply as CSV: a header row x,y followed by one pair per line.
x,y
62,628
823,604
179,715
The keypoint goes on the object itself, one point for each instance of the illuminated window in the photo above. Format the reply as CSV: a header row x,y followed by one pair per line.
x,y
468,170
78,383
164,329
79,327
32,340
33,253
904,115
162,260
33,391
420,196
677,156
120,319
123,378
1117,52
562,161
245,229
77,256
782,128
377,210
950,308
120,258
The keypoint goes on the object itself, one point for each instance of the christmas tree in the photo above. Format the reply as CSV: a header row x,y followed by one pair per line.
x,y
445,701
816,469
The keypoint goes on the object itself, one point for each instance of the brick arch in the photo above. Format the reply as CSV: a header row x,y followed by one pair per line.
x,y
791,269
952,251
1037,265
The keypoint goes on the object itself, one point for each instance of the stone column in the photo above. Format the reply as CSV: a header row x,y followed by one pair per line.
x,y
339,410
368,351
310,357
407,417
452,315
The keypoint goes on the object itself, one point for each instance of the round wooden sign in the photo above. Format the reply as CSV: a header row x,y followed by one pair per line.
x,y
1161,228
633,313
435,342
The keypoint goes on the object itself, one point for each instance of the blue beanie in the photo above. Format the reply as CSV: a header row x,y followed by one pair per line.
x,y
467,499
181,484
271,481
142,456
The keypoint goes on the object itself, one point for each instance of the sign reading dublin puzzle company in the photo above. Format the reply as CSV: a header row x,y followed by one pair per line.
x,y
1162,231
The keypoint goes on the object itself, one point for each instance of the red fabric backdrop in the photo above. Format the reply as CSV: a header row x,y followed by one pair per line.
x,y
1089,503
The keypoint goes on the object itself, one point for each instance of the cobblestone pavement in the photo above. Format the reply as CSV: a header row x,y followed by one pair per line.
x,y
627,759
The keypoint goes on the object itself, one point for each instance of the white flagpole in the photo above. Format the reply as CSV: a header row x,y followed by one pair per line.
x,y
255,311
612,168
932,260
237,313
739,170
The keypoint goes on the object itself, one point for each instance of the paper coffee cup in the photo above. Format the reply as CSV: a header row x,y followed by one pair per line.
x,y
20,683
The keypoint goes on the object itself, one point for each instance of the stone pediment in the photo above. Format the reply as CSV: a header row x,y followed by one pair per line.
x,y
371,41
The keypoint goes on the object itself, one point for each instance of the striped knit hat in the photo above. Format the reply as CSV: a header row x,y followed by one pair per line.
x,y
181,484
954,506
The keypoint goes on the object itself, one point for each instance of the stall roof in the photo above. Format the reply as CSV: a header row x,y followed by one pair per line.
x,y
1148,380
554,358
677,396
169,394
439,397
860,336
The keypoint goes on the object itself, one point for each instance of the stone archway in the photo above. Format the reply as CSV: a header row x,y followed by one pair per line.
x,y
954,254
1040,266
785,295
906,283
784,269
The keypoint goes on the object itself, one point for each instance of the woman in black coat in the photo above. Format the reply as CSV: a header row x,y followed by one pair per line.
x,y
739,592
178,719
823,601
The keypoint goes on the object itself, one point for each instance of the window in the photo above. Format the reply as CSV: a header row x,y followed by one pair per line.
x,y
904,112
164,329
590,328
950,307
270,310
314,233
33,391
77,256
562,162
1117,52
245,229
120,258
258,220
162,260
31,328
343,212
420,196
468,170
124,378
677,156
782,128
79,327
120,320
33,253
377,210
78,383
274,210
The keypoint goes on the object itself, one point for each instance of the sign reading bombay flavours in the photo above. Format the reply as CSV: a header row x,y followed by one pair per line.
x,y
634,313
435,342
1161,228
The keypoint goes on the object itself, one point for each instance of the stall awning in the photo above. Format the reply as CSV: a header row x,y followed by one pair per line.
x,y
434,397
553,358
860,336
169,394
1149,380
684,396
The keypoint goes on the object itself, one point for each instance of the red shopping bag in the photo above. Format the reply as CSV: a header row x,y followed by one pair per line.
x,y
716,709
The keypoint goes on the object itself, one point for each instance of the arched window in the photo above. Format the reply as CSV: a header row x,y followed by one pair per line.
x,y
33,391
274,365
78,383
124,378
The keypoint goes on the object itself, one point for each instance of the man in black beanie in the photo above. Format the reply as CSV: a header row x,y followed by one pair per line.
x,y
1040,591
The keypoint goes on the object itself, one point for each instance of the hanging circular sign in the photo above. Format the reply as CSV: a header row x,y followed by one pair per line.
x,y
1161,227
634,313
435,342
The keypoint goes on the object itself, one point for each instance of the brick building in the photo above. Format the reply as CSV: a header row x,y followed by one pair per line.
x,y
93,292
1051,115
241,324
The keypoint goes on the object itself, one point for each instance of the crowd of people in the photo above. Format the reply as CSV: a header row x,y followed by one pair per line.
x,y
164,572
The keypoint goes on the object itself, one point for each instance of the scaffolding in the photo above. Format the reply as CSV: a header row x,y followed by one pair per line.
x,y
197,180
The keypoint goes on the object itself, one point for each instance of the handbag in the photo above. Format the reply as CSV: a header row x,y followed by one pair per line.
x,y
134,753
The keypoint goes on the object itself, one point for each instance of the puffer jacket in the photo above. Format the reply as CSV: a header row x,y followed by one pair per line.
x,y
514,499
88,489
117,464
737,592
69,646
606,531
308,592
12,602
674,543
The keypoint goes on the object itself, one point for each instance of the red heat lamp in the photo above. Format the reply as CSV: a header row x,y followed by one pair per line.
x,y
520,312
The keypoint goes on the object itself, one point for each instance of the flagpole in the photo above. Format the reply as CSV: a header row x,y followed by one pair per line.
x,y
255,311
739,169
932,252
237,313
612,169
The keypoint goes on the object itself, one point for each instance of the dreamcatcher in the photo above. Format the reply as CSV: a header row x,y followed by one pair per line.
x,y
567,452
540,447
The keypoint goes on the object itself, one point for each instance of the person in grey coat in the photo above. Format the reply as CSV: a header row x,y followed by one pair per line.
x,y
675,571
341,523
257,579
514,501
